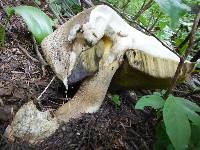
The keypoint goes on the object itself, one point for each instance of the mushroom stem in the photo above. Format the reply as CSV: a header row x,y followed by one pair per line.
x,y
89,97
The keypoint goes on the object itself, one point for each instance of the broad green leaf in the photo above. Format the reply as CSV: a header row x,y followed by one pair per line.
x,y
2,36
173,8
189,109
155,101
187,104
37,21
177,124
157,93
116,100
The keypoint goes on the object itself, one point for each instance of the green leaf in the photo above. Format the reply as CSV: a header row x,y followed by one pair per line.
x,y
182,49
143,20
116,100
162,25
10,11
187,104
37,21
2,35
177,124
155,101
173,8
189,109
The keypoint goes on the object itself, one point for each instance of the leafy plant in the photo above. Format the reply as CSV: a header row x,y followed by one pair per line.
x,y
64,7
179,115
37,21
155,100
173,8
116,100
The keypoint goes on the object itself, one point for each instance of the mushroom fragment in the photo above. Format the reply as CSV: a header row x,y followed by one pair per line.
x,y
96,45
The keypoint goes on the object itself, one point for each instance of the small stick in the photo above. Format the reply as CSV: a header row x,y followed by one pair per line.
x,y
143,9
195,92
41,59
22,49
26,53
183,58
46,88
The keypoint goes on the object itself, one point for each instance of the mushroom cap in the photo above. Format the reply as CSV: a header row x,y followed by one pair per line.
x,y
75,49
142,70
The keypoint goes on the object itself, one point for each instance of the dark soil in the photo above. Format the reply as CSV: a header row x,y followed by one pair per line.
x,y
22,80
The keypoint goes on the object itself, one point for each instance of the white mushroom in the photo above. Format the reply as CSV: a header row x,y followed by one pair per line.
x,y
96,45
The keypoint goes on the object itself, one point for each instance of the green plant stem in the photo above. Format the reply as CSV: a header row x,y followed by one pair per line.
x,y
143,9
125,5
155,22
183,58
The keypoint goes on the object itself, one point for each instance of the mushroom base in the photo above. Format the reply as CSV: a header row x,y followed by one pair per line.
x,y
34,126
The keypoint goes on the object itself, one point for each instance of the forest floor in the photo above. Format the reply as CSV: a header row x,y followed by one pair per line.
x,y
22,79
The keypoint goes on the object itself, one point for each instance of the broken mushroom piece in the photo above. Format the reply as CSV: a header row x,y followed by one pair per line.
x,y
96,45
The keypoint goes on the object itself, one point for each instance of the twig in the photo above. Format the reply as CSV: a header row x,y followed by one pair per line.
x,y
183,58
46,88
22,49
41,59
143,4
26,53
155,22
143,9
187,93
192,93
125,5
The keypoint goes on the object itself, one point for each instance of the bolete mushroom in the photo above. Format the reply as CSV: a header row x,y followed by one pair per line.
x,y
97,47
